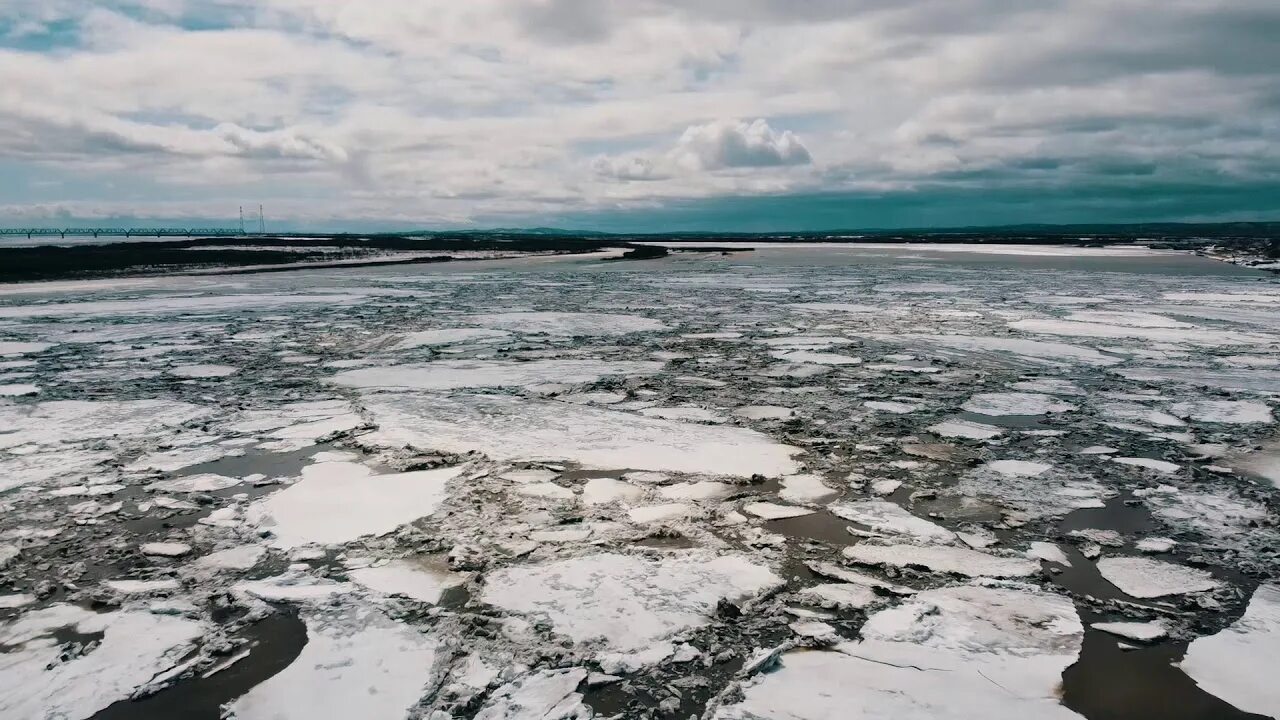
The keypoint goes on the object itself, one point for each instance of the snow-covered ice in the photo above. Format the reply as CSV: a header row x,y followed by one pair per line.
x,y
625,601
337,502
1238,663
1146,578
506,428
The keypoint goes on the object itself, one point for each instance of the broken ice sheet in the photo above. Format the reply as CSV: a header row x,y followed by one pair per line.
x,y
941,558
137,646
505,428
567,323
357,663
542,695
337,502
1146,578
1238,663
453,374
1015,403
886,517
626,602
963,652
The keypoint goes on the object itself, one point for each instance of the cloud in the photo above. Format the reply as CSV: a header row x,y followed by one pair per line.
x,y
488,108
738,144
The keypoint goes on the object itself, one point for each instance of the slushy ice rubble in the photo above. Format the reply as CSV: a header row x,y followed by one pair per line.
x,y
803,484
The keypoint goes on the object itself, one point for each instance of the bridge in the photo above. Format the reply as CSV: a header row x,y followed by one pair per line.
x,y
121,232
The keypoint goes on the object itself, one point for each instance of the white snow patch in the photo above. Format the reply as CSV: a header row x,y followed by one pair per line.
x,y
602,491
950,654
544,695
510,429
567,323
1146,578
165,549
1140,631
942,558
627,602
360,666
454,374
1160,466
965,429
335,503
1238,664
1015,403
773,511
1233,412
415,579
450,336
35,682
202,371
886,517
1018,468
805,489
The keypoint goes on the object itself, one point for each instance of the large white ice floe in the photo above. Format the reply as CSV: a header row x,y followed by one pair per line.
x,y
1015,403
958,653
450,336
627,602
506,428
166,304
357,663
9,348
1034,489
1221,516
966,429
805,488
1004,350
1234,412
202,372
63,421
941,558
137,648
1238,664
566,323
453,374
414,578
1188,335
1146,578
337,502
542,695
886,517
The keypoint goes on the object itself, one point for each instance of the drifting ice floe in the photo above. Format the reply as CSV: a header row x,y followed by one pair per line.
x,y
412,578
338,502
567,323
506,428
1015,403
544,695
886,517
941,558
1238,664
999,349
453,374
956,653
1237,412
1146,578
623,601
450,336
356,664
36,681
158,305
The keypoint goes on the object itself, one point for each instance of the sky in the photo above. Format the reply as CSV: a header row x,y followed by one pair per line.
x,y
638,115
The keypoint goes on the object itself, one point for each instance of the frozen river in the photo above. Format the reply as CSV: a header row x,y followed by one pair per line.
x,y
807,483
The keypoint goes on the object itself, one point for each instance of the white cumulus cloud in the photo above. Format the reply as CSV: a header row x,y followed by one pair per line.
x,y
738,144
